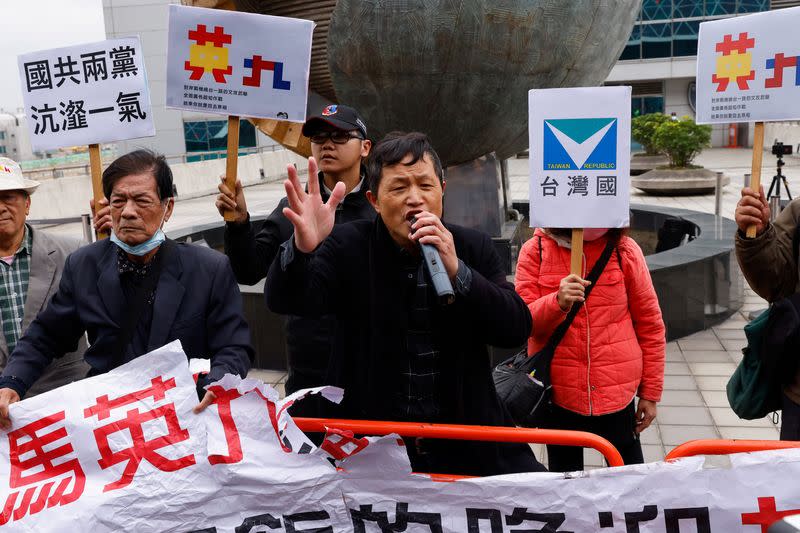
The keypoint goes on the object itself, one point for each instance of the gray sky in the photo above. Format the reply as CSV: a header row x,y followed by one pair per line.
x,y
30,25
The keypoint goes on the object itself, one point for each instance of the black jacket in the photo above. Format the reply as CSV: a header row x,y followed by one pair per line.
x,y
308,339
354,274
196,301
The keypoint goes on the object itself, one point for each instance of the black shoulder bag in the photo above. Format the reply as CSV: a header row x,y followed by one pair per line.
x,y
523,383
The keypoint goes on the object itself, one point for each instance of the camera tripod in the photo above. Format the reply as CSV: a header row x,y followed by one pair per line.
x,y
776,181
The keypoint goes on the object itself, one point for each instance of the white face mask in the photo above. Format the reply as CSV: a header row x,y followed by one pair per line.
x,y
592,234
147,246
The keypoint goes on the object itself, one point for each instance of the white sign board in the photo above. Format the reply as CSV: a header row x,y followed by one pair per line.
x,y
243,64
748,68
580,157
86,94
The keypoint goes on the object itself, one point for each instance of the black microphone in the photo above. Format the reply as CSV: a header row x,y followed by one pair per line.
x,y
438,274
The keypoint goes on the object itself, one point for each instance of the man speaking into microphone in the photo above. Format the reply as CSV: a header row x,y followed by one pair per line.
x,y
405,350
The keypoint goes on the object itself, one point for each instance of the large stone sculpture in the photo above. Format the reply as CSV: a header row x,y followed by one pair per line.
x,y
458,70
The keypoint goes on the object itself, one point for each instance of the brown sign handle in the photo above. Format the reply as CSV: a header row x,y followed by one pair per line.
x,y
576,258
755,172
96,166
232,163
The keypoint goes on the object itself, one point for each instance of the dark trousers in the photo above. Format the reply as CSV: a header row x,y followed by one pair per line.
x,y
790,423
470,458
617,428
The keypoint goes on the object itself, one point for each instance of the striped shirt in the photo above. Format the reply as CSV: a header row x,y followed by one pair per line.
x,y
13,291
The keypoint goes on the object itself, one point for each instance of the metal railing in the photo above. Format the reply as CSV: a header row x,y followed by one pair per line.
x,y
467,432
85,220
83,169
724,447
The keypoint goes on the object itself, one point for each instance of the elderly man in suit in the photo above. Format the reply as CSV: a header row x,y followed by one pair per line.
x,y
31,263
136,292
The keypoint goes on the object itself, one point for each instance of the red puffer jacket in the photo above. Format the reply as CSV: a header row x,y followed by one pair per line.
x,y
615,347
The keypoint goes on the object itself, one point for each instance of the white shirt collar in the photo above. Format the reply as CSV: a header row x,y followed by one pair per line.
x,y
355,189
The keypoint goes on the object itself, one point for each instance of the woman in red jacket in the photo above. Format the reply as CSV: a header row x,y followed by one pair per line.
x,y
612,352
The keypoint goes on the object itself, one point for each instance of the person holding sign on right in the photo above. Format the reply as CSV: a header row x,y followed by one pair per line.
x,y
613,350
769,262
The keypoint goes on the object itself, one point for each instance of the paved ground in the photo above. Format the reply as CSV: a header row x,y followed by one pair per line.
x,y
694,405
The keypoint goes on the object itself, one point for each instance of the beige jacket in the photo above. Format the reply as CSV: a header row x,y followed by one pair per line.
x,y
47,260
770,266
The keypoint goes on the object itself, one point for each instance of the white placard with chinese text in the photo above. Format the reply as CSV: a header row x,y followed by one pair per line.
x,y
244,64
86,94
580,157
748,68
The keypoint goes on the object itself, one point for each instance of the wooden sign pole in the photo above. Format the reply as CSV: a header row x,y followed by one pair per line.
x,y
755,172
232,163
96,166
576,263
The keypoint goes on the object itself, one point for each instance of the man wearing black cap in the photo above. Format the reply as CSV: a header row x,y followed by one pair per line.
x,y
338,142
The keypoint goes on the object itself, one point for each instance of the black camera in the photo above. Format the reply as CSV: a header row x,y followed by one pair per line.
x,y
779,149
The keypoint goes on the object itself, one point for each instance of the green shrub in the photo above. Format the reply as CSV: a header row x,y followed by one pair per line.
x,y
643,128
681,140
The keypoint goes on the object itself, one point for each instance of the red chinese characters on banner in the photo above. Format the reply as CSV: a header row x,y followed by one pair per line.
x,y
142,447
767,514
235,454
39,456
223,403
341,444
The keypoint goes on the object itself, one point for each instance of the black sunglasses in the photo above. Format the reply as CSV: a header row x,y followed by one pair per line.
x,y
338,137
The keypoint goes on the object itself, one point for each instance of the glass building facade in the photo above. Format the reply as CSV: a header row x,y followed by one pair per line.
x,y
669,28
212,136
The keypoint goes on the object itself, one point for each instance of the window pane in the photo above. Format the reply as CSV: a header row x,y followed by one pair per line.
x,y
632,49
688,8
196,136
657,9
212,135
656,40
636,106
752,6
652,104
685,38
720,7
217,134
247,134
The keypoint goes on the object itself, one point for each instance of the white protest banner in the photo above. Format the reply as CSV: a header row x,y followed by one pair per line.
x,y
86,94
243,64
123,451
679,497
579,157
748,68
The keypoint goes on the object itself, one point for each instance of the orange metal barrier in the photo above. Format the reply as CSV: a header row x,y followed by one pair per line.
x,y
461,432
724,447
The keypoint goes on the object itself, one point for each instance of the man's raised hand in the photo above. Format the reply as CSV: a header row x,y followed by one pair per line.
x,y
312,218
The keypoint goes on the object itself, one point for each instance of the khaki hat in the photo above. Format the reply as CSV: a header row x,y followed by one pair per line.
x,y
12,179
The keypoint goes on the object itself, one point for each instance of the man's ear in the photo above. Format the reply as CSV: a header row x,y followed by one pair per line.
x,y
366,146
373,200
170,207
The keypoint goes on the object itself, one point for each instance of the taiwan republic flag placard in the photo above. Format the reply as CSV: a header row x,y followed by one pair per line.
x,y
580,157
